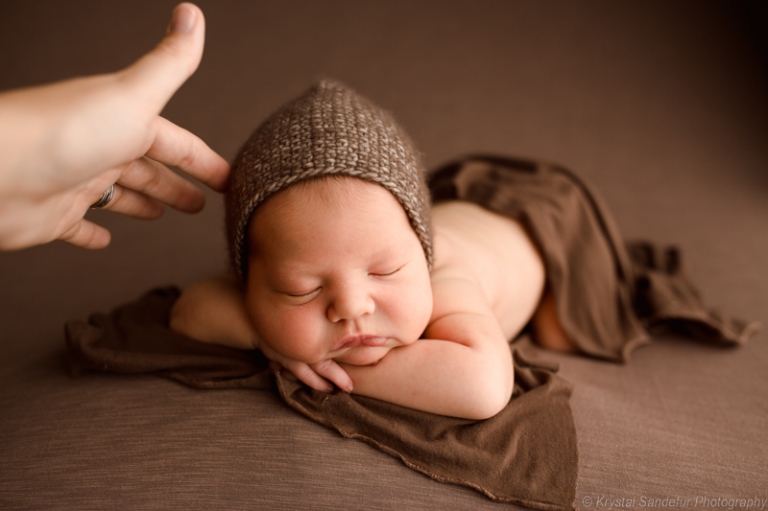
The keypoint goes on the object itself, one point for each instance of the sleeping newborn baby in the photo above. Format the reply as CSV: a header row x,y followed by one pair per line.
x,y
345,275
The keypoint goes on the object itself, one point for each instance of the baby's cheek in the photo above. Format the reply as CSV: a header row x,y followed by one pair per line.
x,y
422,299
413,313
269,322
297,335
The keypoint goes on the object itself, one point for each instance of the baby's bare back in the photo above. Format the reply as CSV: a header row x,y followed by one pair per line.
x,y
494,253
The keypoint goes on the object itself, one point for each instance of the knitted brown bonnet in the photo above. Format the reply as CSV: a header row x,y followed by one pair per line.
x,y
328,130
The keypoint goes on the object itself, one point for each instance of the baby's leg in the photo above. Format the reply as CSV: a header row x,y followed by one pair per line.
x,y
547,330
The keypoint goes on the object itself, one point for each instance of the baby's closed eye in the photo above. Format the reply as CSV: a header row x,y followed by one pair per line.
x,y
300,296
386,273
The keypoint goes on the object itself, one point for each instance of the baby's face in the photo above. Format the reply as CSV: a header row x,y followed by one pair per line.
x,y
336,272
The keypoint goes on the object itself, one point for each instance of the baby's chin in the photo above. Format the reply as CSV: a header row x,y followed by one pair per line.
x,y
363,355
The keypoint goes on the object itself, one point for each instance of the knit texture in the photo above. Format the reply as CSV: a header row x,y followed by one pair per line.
x,y
329,130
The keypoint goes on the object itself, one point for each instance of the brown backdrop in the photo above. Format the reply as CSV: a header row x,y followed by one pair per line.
x,y
662,106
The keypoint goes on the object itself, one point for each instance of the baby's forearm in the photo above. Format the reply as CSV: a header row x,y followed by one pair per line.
x,y
442,377
213,311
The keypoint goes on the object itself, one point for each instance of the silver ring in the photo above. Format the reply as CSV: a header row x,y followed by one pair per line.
x,y
105,199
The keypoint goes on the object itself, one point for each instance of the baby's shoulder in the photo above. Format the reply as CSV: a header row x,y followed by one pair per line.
x,y
468,234
469,247
484,257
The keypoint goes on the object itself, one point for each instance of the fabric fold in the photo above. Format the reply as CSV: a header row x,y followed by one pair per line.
x,y
668,301
135,339
526,454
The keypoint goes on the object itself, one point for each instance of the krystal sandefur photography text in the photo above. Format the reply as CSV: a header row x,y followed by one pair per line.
x,y
673,502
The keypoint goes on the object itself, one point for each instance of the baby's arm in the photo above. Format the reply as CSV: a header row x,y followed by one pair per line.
x,y
462,369
213,311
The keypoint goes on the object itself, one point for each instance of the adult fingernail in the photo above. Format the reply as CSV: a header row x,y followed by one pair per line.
x,y
182,19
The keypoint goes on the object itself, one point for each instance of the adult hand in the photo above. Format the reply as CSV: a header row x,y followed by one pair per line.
x,y
63,145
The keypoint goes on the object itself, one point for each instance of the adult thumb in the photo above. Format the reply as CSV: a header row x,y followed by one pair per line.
x,y
156,76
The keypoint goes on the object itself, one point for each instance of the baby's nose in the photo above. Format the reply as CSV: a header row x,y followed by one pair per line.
x,y
350,304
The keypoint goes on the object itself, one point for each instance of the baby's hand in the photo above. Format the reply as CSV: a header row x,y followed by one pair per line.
x,y
316,375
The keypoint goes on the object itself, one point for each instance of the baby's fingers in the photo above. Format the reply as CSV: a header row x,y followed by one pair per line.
x,y
305,373
330,370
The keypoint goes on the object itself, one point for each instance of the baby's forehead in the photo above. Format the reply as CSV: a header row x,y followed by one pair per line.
x,y
333,187
333,192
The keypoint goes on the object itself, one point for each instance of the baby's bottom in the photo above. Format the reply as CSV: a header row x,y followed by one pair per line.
x,y
547,330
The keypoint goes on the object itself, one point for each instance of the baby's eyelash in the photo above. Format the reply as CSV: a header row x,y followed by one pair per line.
x,y
388,274
302,295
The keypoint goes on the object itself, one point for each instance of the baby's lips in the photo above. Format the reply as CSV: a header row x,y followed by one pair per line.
x,y
375,341
351,341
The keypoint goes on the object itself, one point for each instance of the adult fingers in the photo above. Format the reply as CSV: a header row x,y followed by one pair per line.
x,y
330,370
154,78
158,75
157,181
86,234
134,204
178,147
